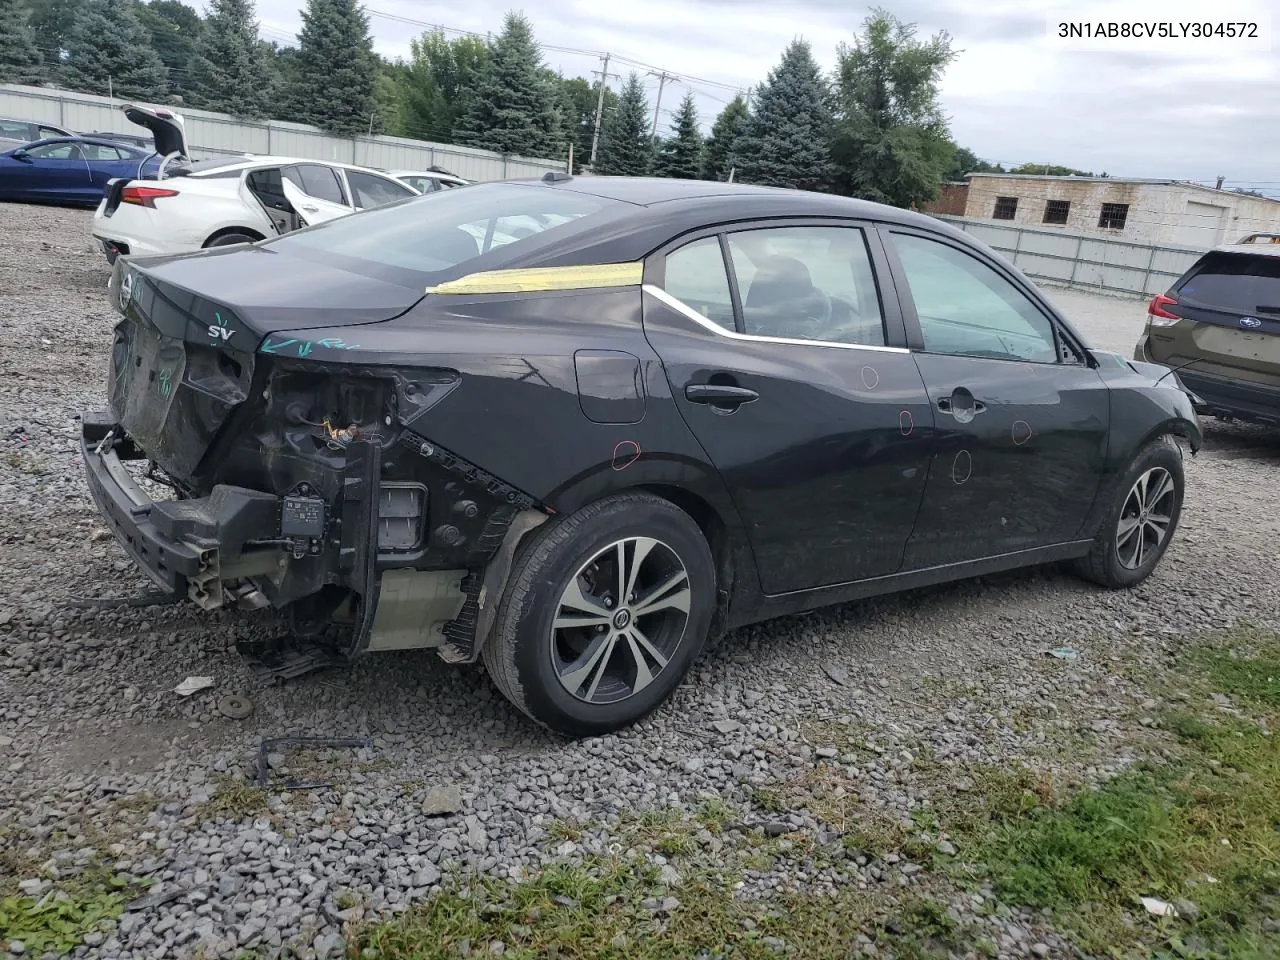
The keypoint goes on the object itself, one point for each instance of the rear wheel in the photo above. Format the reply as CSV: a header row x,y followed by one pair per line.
x,y
605,612
1145,504
227,239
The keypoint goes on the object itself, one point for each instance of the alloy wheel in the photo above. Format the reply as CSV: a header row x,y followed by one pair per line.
x,y
620,620
1145,517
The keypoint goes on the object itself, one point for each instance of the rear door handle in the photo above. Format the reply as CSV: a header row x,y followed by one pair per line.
x,y
944,404
310,209
718,393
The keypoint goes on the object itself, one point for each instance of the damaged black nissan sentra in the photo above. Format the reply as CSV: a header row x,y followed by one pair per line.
x,y
573,426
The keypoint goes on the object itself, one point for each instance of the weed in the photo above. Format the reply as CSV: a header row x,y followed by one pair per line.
x,y
233,797
60,918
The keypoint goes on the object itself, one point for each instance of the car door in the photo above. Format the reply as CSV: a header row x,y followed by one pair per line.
x,y
315,192
53,171
369,190
106,163
789,365
1021,417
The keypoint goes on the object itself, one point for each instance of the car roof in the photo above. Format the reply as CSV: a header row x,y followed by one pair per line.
x,y
713,198
1249,249
273,161
98,141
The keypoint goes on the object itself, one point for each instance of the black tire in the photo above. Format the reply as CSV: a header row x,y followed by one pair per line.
x,y
227,239
1104,564
524,657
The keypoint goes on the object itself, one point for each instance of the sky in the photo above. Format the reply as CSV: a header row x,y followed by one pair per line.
x,y
1192,109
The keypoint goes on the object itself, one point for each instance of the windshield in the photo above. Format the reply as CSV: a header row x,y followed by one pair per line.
x,y
436,233
1239,283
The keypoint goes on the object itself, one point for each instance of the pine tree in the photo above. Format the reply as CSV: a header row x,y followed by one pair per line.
x,y
109,50
52,22
680,155
513,109
20,59
788,140
229,72
626,150
175,30
337,69
721,152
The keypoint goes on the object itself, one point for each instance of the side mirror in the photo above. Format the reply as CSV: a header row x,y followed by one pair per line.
x,y
20,154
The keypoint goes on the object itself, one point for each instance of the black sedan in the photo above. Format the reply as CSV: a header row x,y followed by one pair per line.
x,y
573,426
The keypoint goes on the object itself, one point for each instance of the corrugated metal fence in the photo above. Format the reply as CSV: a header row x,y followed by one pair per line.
x,y
1081,261
217,134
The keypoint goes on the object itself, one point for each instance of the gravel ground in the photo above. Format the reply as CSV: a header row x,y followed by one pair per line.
x,y
102,759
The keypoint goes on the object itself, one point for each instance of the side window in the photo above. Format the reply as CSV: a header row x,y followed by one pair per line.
x,y
56,151
696,276
320,182
97,151
50,132
370,191
967,309
807,283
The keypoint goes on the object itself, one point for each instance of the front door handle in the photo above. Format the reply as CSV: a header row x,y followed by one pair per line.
x,y
945,405
721,394
310,209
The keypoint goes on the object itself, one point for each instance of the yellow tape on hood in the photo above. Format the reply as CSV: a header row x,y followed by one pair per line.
x,y
544,279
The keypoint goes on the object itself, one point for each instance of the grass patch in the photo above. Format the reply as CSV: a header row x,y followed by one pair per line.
x,y
1164,830
603,909
60,918
233,797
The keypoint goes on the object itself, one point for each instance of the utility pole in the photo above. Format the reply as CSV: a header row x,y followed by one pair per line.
x,y
595,134
663,77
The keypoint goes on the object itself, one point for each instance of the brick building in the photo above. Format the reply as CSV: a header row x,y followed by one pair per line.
x,y
1169,212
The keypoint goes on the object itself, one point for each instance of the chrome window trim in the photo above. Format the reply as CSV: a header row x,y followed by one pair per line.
x,y
686,311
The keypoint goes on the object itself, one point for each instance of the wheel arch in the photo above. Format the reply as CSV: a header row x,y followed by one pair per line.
x,y
227,231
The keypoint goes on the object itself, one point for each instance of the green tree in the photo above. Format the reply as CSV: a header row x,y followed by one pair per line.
x,y
230,70
626,149
964,160
337,68
20,59
110,51
51,24
437,84
891,144
1051,170
175,30
680,155
720,154
787,141
514,108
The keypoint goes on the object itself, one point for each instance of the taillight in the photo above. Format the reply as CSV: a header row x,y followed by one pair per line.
x,y
145,196
1157,315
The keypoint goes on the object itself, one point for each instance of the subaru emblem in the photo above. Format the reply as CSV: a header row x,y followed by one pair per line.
x,y
1250,323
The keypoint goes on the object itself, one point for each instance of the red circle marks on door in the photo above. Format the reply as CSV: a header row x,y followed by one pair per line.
x,y
906,423
625,453
870,377
1021,432
962,467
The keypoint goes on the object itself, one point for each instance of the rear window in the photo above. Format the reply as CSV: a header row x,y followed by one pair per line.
x,y
1235,282
427,239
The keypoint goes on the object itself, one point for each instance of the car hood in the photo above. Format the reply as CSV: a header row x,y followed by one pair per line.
x,y
264,290
167,128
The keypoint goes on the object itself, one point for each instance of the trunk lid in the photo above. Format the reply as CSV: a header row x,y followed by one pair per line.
x,y
184,351
167,128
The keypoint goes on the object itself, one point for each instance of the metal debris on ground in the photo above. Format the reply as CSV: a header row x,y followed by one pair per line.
x,y
156,899
235,706
193,685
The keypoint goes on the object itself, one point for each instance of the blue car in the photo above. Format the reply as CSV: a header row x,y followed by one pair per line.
x,y
71,170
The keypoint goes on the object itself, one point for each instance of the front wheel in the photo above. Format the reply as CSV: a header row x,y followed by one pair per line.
x,y
1146,502
606,611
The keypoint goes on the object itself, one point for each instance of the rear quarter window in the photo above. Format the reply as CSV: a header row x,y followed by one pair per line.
x,y
1235,282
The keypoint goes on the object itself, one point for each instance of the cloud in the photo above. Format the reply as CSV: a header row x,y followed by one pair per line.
x,y
1186,109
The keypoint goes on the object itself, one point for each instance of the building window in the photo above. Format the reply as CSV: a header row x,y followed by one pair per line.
x,y
1006,207
1055,211
1113,216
